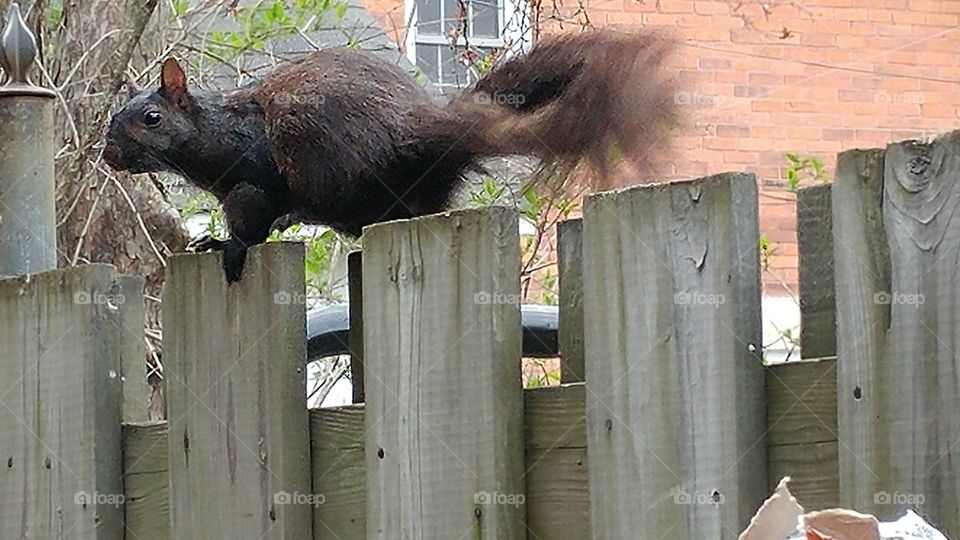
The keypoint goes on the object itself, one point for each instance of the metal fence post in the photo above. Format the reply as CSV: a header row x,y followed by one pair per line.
x,y
28,241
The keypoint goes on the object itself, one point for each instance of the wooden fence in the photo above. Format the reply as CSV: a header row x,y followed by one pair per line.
x,y
677,432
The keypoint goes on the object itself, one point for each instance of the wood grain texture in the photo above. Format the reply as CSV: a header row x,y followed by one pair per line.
x,y
813,470
899,337
234,371
570,284
146,480
818,302
862,262
801,402
442,347
802,431
675,392
339,473
61,339
136,389
558,505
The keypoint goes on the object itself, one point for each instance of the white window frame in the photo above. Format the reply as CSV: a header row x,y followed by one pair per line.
x,y
519,34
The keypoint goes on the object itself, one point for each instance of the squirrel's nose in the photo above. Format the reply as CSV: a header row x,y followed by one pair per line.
x,y
111,154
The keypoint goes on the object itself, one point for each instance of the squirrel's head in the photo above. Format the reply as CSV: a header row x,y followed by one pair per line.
x,y
154,126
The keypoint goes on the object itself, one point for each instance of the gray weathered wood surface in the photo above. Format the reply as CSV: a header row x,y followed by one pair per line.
x,y
555,469
442,347
675,383
862,269
61,342
818,303
802,396
136,389
235,380
556,462
802,430
339,472
899,309
570,284
146,481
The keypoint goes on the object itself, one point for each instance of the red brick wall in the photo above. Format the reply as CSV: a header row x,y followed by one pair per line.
x,y
817,79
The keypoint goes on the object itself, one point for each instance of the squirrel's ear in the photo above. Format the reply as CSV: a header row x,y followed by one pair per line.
x,y
173,81
132,89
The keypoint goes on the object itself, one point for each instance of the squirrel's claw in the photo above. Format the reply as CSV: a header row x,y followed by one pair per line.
x,y
204,244
234,257
234,254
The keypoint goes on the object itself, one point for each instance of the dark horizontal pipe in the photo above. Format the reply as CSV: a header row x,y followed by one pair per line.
x,y
328,330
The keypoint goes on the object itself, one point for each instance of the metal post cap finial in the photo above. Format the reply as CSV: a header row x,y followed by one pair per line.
x,y
18,51
18,47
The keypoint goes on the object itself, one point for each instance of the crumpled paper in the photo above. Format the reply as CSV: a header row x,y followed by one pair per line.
x,y
782,518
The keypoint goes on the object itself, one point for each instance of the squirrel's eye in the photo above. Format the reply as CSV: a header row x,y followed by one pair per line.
x,y
151,118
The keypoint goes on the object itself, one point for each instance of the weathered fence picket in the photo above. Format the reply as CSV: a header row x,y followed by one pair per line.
x,y
861,263
802,430
442,346
678,431
235,379
146,484
570,285
61,341
674,378
898,294
802,396
818,309
339,472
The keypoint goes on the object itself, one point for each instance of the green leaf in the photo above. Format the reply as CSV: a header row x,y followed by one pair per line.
x,y
180,7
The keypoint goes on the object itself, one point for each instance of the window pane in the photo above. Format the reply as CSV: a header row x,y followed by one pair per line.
x,y
427,61
453,72
428,16
485,18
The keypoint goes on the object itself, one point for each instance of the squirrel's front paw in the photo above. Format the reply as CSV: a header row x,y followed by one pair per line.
x,y
205,243
234,258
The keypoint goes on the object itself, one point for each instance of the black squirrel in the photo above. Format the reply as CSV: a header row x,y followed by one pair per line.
x,y
346,139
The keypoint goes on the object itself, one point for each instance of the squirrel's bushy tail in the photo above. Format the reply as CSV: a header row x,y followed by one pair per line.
x,y
596,96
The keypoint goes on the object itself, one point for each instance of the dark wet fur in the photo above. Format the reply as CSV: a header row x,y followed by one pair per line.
x,y
345,139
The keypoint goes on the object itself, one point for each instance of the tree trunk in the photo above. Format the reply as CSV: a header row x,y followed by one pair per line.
x,y
102,216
